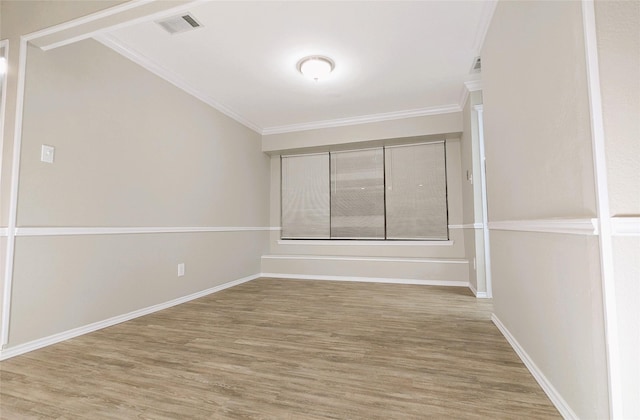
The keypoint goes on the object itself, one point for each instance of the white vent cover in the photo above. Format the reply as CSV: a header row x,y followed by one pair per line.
x,y
178,24
476,66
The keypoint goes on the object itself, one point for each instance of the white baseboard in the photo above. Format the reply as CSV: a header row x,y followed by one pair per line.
x,y
555,397
479,295
85,329
367,279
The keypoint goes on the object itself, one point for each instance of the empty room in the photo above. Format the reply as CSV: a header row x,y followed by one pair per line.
x,y
319,209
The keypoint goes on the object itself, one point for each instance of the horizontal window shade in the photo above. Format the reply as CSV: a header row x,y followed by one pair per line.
x,y
305,196
357,194
416,200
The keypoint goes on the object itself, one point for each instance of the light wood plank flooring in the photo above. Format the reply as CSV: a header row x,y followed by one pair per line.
x,y
285,349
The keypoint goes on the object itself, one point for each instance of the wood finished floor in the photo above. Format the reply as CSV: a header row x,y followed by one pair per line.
x,y
285,349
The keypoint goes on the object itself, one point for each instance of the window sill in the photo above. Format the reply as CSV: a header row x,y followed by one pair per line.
x,y
338,242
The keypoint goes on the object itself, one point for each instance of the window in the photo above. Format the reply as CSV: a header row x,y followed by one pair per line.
x,y
416,192
357,194
393,193
305,196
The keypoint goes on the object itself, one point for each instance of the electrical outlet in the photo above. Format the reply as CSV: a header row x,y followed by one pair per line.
x,y
180,269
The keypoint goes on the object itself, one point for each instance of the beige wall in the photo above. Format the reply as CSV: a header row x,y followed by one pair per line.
x,y
149,154
619,60
61,283
546,286
22,17
546,291
419,261
443,125
538,141
618,36
131,151
18,18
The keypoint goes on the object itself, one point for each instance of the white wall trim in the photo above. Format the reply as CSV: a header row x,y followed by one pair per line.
x,y
147,63
356,242
4,232
128,22
142,60
489,9
604,224
566,226
369,259
625,226
65,231
13,197
85,329
485,207
363,119
4,45
89,18
366,279
555,397
472,226
467,88
473,86
479,295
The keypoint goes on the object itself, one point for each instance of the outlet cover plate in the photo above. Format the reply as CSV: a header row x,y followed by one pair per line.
x,y
47,153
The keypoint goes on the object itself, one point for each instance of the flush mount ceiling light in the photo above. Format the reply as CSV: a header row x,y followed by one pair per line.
x,y
316,66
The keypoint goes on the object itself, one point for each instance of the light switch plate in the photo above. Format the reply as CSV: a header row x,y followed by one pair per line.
x,y
47,153
180,269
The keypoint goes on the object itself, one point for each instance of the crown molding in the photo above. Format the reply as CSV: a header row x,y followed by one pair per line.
x,y
468,87
473,85
363,119
150,65
464,95
483,26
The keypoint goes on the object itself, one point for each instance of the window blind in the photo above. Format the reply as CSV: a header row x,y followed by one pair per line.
x,y
416,192
305,196
357,194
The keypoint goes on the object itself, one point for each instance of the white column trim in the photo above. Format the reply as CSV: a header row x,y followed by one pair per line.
x,y
565,226
3,101
485,207
13,198
604,212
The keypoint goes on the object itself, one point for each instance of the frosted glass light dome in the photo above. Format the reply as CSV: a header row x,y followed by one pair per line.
x,y
315,67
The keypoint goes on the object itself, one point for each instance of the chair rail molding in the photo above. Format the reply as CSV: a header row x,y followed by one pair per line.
x,y
566,226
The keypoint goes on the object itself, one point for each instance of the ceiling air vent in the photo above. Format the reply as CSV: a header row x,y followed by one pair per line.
x,y
476,66
178,24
